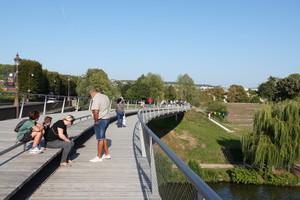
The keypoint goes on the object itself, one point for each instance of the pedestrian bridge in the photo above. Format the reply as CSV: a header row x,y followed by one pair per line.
x,y
131,173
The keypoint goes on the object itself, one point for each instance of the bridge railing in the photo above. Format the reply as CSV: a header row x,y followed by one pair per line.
x,y
59,102
170,177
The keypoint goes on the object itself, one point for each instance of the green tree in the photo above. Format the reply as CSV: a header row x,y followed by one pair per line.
x,y
268,89
31,77
275,140
237,93
156,85
138,91
288,88
218,109
170,92
54,82
276,89
186,87
218,92
95,78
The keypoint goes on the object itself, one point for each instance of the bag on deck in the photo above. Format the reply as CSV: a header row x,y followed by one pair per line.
x,y
124,121
17,128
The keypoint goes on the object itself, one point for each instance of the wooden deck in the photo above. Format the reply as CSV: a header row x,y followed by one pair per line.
x,y
125,176
122,177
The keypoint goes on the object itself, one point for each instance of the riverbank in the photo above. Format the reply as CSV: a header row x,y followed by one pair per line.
x,y
216,152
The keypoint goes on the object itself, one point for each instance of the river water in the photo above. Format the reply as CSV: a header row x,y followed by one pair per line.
x,y
229,191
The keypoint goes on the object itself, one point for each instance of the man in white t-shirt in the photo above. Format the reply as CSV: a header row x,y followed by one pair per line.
x,y
100,109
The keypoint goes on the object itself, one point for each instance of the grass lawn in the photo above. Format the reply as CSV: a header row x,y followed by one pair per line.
x,y
194,137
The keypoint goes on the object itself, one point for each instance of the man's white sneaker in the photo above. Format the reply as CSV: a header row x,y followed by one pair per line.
x,y
96,159
35,150
106,156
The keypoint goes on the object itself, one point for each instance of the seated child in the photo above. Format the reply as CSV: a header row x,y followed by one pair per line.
x,y
31,130
46,124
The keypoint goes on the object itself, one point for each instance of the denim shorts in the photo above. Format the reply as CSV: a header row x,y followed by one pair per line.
x,y
100,128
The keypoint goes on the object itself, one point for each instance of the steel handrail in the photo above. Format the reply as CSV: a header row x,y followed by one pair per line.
x,y
205,191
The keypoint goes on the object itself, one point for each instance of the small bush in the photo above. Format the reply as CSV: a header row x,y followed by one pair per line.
x,y
218,109
281,179
246,176
195,167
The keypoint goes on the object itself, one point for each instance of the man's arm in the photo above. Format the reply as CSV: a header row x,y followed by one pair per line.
x,y
96,116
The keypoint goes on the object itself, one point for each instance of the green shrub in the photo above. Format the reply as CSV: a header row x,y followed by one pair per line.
x,y
281,179
195,167
246,176
218,109
209,175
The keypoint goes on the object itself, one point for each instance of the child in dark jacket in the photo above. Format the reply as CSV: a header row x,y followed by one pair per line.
x,y
46,124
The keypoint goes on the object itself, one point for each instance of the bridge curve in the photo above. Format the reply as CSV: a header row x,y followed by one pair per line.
x,y
128,175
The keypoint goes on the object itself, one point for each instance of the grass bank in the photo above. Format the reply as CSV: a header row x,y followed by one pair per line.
x,y
194,137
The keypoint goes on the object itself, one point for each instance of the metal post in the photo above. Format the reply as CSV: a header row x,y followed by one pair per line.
x,y
77,106
21,112
45,105
69,91
154,183
63,106
142,141
17,60
199,196
90,104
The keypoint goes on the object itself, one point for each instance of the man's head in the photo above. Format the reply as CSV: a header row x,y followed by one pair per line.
x,y
93,92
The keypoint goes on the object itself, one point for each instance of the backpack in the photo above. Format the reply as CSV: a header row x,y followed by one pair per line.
x,y
17,128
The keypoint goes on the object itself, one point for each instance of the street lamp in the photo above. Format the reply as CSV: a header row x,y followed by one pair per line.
x,y
69,79
54,89
29,86
17,60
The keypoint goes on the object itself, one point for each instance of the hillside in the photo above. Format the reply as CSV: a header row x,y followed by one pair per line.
x,y
197,138
240,115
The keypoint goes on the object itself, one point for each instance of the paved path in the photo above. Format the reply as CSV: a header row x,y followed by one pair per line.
x,y
124,176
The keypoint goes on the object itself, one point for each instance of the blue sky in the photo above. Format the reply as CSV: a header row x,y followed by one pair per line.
x,y
216,42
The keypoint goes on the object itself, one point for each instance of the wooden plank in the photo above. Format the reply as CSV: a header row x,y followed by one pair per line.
x,y
17,167
117,178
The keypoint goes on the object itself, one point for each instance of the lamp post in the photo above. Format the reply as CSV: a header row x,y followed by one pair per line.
x,y
69,79
54,88
29,85
17,60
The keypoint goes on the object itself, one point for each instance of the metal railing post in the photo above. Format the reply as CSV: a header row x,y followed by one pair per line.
x,y
142,140
22,107
77,106
63,106
90,104
45,106
154,183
